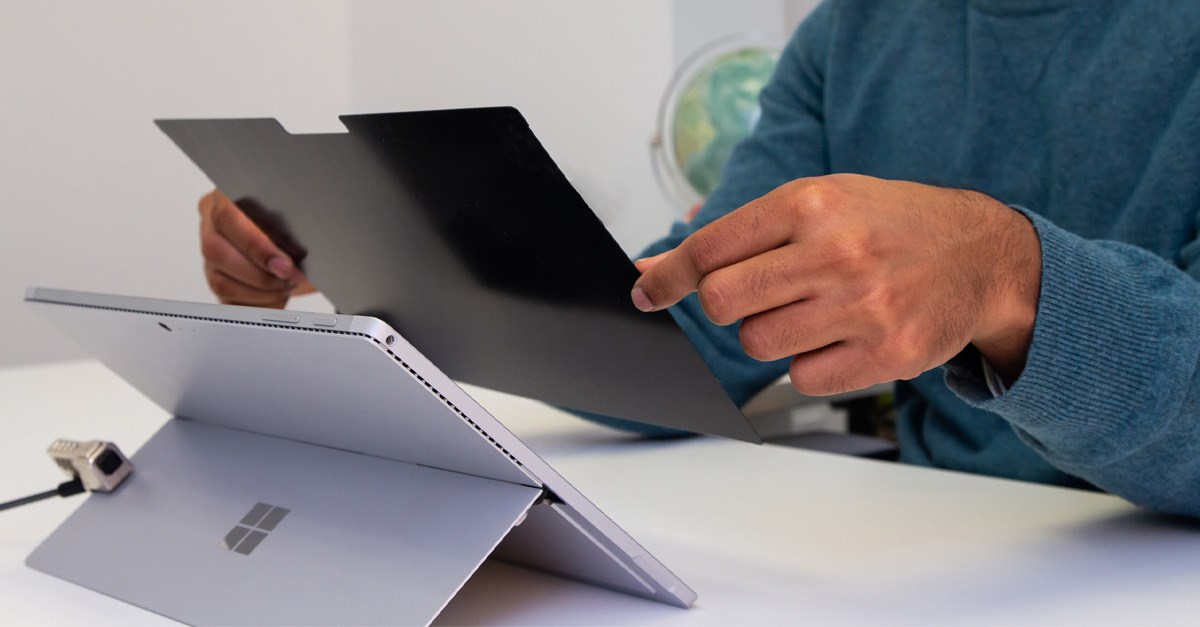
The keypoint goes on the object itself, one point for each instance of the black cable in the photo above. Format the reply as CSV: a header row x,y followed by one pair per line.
x,y
66,488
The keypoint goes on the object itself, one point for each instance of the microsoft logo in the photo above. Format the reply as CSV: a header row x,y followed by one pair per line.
x,y
253,528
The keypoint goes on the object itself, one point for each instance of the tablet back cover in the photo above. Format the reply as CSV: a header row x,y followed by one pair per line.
x,y
226,527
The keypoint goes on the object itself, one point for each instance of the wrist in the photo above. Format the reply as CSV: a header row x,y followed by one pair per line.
x,y
1014,284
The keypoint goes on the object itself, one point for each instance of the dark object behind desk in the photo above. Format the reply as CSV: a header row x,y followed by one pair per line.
x,y
457,228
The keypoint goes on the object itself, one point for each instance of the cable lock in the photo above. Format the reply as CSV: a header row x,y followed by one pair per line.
x,y
94,466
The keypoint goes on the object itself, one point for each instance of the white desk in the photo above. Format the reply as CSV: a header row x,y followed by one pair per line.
x,y
765,535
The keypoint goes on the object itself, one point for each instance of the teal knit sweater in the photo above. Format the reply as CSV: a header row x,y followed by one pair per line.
x,y
1083,114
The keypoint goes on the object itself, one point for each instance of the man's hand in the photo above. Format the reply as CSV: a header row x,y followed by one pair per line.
x,y
243,266
861,280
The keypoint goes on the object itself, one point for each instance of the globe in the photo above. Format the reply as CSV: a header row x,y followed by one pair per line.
x,y
711,106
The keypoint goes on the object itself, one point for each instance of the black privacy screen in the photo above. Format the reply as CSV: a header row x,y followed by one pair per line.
x,y
457,228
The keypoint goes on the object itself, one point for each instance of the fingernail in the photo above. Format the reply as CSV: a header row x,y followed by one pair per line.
x,y
640,300
280,267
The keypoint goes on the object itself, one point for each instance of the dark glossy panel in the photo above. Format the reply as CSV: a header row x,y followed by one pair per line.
x,y
457,228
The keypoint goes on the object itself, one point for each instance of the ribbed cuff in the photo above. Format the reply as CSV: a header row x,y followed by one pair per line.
x,y
1097,356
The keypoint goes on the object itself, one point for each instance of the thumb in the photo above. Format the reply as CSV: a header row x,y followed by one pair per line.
x,y
645,263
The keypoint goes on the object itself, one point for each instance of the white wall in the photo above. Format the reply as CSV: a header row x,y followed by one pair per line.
x,y
699,22
93,197
586,75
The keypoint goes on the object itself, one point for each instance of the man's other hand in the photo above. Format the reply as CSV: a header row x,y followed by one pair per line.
x,y
861,280
243,266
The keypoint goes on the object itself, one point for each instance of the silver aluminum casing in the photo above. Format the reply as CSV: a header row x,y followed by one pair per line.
x,y
397,482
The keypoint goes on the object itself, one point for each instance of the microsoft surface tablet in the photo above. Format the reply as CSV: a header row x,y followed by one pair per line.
x,y
318,469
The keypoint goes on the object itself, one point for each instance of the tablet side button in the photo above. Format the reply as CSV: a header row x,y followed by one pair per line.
x,y
288,318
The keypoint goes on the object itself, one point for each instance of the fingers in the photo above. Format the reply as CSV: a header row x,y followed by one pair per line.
x,y
761,283
224,256
835,369
861,279
795,328
242,265
828,355
645,263
233,292
229,222
744,233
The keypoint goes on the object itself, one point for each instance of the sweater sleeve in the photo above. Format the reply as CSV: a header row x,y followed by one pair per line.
x,y
1110,391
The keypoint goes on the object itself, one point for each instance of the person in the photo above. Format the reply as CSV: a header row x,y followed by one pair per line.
x,y
993,203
